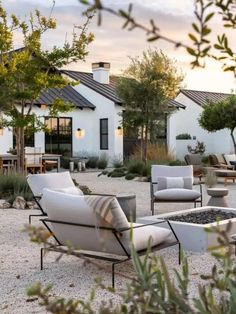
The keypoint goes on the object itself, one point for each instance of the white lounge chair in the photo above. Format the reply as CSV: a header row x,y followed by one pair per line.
x,y
97,225
60,181
173,184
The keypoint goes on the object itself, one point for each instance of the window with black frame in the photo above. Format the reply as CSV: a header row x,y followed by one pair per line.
x,y
58,137
104,134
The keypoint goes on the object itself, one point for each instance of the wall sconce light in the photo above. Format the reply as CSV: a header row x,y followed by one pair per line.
x,y
79,133
1,131
119,131
43,106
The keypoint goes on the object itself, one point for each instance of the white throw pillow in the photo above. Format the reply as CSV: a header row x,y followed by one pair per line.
x,y
174,183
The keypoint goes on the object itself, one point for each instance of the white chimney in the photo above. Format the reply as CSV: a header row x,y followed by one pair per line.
x,y
101,72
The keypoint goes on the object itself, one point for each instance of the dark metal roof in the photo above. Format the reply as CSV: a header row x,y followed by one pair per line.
x,y
174,103
201,98
107,90
66,93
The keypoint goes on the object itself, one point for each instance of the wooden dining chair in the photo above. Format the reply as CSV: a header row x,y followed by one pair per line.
x,y
7,167
33,160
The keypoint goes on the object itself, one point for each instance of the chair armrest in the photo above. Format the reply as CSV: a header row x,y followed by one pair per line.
x,y
102,194
159,221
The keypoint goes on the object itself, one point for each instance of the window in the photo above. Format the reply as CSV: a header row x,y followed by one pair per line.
x,y
103,133
58,139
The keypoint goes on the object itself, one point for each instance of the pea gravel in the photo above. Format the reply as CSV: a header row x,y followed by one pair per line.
x,y
19,258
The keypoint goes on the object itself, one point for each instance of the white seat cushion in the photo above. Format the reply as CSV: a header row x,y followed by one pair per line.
x,y
142,235
177,195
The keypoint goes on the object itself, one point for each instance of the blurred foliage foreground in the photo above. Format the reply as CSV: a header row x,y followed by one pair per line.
x,y
153,290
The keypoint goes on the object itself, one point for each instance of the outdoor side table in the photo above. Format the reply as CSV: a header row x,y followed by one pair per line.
x,y
217,197
128,204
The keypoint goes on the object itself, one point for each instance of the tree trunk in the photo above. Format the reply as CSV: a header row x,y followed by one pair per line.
x,y
20,146
145,151
233,139
141,144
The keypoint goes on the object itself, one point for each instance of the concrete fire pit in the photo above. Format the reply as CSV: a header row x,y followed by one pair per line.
x,y
192,236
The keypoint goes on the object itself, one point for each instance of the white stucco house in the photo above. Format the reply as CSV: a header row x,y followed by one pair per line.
x,y
93,128
185,120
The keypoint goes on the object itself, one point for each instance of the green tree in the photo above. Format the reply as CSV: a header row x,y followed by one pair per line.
x,y
26,72
145,87
220,115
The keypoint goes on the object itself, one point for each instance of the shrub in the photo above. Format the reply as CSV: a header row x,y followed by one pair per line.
x,y
116,174
177,162
92,162
205,160
130,176
14,185
157,153
183,136
135,166
117,162
65,162
198,149
102,161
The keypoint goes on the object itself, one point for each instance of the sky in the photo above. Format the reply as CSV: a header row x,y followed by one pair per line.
x,y
115,45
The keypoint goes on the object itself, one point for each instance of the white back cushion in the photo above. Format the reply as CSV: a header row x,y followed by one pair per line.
x,y
58,180
74,209
171,171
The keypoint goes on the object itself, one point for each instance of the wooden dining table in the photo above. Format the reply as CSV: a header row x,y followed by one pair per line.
x,y
12,159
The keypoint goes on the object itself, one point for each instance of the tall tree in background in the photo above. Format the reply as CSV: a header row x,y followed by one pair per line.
x,y
145,88
26,72
220,115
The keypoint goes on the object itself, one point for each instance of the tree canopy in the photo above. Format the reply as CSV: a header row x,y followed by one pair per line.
x,y
145,88
26,72
220,115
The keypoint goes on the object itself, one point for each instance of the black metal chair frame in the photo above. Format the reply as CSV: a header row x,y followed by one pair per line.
x,y
37,199
117,234
153,200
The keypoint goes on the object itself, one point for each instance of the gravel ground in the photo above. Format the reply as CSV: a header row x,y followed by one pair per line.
x,y
19,258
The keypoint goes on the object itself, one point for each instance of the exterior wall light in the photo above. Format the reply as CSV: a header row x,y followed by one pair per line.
x,y
79,133
119,131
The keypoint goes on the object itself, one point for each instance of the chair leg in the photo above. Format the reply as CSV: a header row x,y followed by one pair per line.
x,y
152,207
179,247
41,259
113,270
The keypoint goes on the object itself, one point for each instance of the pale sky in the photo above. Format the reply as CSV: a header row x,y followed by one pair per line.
x,y
115,45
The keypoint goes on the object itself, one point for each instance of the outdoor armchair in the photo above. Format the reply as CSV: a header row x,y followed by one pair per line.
x,y
196,161
97,225
173,184
60,181
219,161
